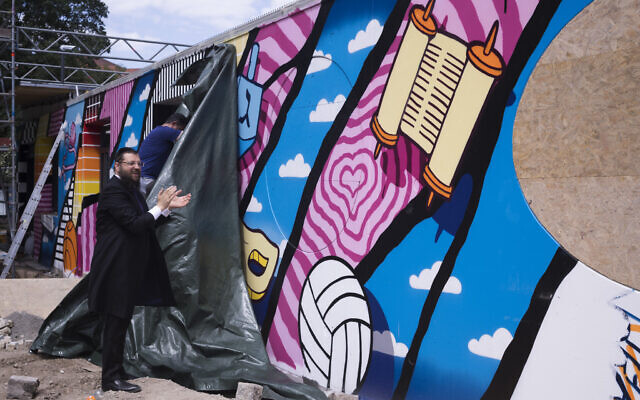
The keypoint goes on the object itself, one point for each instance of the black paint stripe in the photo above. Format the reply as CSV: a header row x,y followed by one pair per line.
x,y
346,355
515,356
329,286
367,72
304,349
313,335
483,140
247,49
337,299
414,213
301,62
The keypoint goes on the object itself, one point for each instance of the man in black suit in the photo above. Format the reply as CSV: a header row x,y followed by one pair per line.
x,y
128,267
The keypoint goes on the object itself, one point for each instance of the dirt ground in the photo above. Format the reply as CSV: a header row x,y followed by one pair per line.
x,y
77,378
27,302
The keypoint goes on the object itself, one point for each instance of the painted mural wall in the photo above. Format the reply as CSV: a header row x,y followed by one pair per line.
x,y
121,112
389,251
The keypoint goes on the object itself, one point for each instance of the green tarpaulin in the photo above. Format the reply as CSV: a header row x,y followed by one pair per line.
x,y
210,341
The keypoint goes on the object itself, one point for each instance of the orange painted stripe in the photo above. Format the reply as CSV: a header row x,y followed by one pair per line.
x,y
626,383
633,355
634,328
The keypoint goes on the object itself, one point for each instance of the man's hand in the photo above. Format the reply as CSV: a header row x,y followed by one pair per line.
x,y
180,201
166,196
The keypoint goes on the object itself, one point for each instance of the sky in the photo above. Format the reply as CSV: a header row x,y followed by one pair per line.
x,y
176,22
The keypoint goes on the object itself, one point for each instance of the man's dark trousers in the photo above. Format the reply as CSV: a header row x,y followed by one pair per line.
x,y
113,336
127,269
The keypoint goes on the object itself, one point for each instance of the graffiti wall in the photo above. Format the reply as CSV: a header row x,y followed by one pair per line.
x,y
389,251
131,135
121,113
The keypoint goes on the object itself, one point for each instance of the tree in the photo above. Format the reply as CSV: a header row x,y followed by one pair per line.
x,y
85,16
68,15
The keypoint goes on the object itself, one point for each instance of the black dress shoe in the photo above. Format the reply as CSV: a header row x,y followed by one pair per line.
x,y
126,377
121,385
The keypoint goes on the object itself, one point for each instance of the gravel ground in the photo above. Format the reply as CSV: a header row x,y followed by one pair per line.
x,y
27,302
62,378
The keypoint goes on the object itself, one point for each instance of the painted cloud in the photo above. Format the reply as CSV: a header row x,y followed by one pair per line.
x,y
254,205
382,342
145,93
129,120
295,168
132,141
326,111
366,38
491,346
319,62
426,277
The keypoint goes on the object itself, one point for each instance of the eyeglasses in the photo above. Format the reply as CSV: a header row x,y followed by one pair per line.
x,y
132,163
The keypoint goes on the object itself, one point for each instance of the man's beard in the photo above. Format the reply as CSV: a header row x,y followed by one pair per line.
x,y
130,182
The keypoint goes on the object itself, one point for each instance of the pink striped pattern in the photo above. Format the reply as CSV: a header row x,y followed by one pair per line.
x,y
471,20
86,238
45,205
55,121
279,43
357,197
114,106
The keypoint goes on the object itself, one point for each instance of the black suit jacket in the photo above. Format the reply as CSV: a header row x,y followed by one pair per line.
x,y
128,267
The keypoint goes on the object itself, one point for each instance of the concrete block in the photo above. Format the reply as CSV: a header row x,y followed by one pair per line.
x,y
248,391
342,396
4,323
22,387
4,340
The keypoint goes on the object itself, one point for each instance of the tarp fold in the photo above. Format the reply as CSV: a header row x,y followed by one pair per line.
x,y
210,341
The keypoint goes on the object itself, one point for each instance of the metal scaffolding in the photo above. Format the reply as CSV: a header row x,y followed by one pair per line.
x,y
22,40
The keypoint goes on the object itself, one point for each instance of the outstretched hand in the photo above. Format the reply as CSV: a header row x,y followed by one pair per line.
x,y
165,196
180,201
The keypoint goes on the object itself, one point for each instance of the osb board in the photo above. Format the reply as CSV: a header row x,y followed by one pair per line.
x,y
577,139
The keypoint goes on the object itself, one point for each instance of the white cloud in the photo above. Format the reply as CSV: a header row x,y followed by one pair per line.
x,y
129,120
366,38
273,4
254,205
491,346
78,120
326,111
382,342
201,20
198,11
295,168
319,62
132,141
282,246
427,275
145,93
